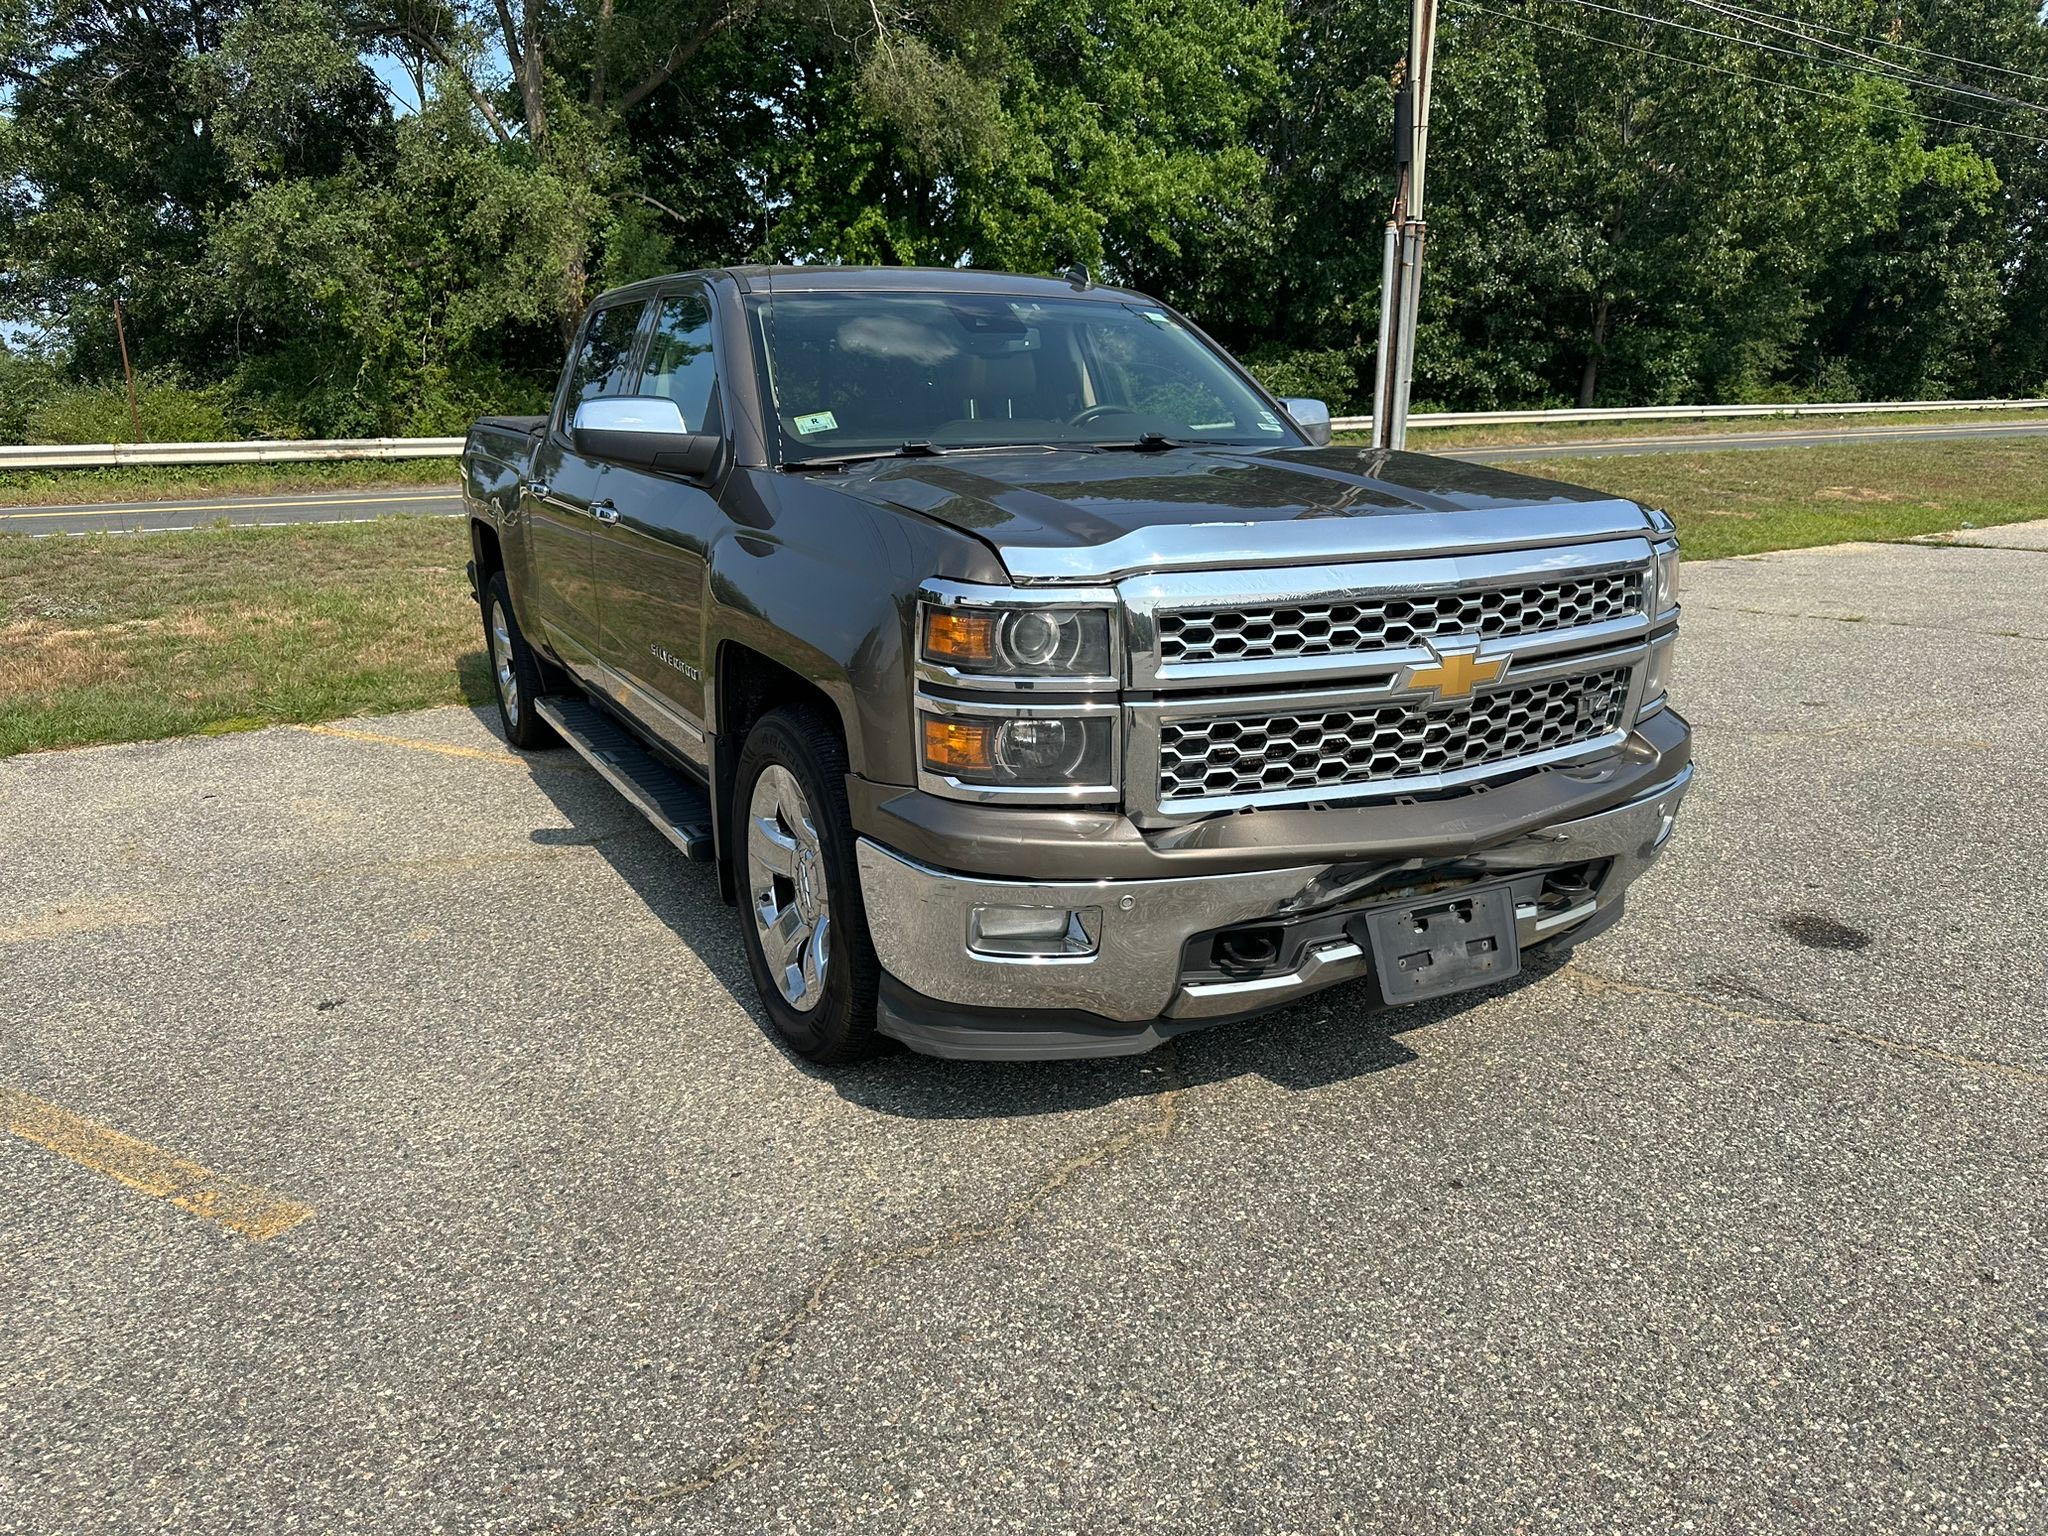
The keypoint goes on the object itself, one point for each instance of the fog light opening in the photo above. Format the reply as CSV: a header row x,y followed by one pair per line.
x,y
1034,933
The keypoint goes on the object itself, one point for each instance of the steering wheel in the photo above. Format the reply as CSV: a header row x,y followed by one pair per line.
x,y
1096,412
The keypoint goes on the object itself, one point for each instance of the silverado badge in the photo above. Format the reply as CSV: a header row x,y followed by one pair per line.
x,y
1455,673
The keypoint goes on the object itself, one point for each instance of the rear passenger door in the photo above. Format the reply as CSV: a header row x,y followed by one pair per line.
x,y
652,559
565,493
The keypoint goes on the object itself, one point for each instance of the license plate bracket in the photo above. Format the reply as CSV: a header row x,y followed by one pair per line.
x,y
1446,943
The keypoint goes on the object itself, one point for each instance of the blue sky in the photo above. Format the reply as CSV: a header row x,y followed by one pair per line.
x,y
396,81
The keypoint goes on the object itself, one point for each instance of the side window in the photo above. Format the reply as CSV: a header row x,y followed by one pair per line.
x,y
679,359
601,357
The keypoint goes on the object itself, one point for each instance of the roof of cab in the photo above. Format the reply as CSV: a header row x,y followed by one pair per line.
x,y
836,279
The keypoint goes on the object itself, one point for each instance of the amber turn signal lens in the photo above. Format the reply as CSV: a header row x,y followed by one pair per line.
x,y
958,744
960,636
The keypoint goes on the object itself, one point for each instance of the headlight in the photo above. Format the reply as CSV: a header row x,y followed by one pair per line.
x,y
1068,753
1664,582
1024,641
1657,674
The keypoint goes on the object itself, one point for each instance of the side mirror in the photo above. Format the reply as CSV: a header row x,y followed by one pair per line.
x,y
1312,416
643,432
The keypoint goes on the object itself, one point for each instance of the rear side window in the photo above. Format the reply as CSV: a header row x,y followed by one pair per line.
x,y
680,365
602,356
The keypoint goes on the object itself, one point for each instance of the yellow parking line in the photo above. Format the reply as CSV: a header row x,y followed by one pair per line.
x,y
142,508
242,1208
446,749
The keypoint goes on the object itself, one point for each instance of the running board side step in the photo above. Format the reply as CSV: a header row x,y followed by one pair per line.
x,y
675,805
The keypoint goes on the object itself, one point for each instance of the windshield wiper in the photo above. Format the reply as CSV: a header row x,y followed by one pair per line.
x,y
1146,442
841,460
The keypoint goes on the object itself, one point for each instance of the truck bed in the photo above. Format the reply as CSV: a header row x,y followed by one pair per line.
x,y
507,439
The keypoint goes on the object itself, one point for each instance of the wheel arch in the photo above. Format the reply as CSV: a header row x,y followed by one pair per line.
x,y
749,685
487,551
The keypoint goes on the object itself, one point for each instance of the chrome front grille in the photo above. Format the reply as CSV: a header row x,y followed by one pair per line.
x,y
1377,679
1292,755
1341,628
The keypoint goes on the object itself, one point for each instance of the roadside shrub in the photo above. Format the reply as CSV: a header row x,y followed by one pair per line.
x,y
171,412
298,393
1330,376
25,383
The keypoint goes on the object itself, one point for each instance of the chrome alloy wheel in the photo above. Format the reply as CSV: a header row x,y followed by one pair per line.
x,y
501,662
786,881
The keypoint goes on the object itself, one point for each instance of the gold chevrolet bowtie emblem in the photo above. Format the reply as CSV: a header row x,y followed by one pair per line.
x,y
1454,674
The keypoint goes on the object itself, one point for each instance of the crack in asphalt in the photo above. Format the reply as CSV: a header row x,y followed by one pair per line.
x,y
754,1446
1862,618
1596,983
2009,549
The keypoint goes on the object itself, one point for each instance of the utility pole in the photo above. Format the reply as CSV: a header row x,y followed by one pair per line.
x,y
127,371
1401,259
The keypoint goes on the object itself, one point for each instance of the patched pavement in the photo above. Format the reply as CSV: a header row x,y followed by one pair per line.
x,y
1734,1223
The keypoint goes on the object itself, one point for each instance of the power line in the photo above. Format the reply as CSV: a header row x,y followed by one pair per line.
x,y
1885,42
1739,74
1743,16
1875,67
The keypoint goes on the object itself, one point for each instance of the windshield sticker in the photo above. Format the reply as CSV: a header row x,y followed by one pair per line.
x,y
1159,318
817,421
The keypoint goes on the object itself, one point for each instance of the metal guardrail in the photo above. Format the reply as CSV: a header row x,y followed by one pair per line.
x,y
104,455
1572,415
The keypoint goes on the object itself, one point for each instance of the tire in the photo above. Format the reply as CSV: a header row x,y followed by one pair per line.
x,y
819,989
515,671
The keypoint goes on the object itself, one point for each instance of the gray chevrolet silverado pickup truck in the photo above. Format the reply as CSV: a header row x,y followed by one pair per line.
x,y
1040,685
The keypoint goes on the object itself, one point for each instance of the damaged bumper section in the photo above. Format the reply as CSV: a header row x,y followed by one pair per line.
x,y
993,967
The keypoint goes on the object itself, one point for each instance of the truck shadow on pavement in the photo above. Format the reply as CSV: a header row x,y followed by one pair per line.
x,y
1325,1039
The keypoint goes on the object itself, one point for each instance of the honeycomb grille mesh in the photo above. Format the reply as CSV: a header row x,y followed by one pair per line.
x,y
1195,636
1255,755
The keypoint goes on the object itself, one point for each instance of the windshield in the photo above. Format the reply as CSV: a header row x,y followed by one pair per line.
x,y
856,373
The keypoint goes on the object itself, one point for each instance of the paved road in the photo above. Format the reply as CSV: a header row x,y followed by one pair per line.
x,y
349,507
1738,1223
248,511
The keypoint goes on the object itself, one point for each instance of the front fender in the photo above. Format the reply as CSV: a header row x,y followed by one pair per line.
x,y
825,585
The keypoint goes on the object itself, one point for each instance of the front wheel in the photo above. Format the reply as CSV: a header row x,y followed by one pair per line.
x,y
515,671
806,931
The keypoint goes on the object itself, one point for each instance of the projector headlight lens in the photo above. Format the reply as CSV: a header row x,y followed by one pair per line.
x,y
1034,642
1031,752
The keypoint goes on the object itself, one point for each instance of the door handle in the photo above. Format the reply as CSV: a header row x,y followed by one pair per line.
x,y
538,489
604,511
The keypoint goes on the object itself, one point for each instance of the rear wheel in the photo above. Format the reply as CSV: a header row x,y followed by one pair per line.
x,y
515,671
806,930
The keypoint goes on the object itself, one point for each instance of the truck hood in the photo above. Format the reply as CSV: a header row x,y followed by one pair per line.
x,y
1083,515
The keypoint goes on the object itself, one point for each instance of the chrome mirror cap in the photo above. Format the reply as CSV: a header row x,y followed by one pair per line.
x,y
1312,416
644,432
630,413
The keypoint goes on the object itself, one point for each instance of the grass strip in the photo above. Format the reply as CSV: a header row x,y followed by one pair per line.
x,y
1742,503
126,638
129,637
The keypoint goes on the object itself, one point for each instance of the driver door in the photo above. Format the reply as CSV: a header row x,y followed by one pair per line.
x,y
652,552
565,492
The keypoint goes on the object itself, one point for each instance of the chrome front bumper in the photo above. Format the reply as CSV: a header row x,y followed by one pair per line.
x,y
919,917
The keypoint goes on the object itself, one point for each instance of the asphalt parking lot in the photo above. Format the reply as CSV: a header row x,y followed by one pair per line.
x,y
398,1150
